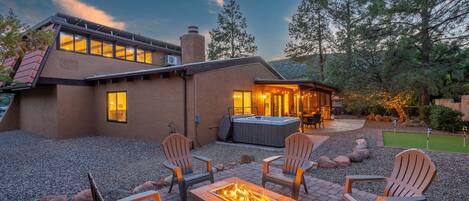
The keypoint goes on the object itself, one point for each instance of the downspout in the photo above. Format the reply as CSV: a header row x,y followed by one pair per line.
x,y
182,75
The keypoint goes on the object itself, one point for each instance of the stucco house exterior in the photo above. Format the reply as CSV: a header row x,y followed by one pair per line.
x,y
97,80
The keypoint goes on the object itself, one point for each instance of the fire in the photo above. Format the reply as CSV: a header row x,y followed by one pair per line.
x,y
239,192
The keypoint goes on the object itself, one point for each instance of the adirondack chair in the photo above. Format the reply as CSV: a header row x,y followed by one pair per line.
x,y
412,174
298,149
176,148
145,196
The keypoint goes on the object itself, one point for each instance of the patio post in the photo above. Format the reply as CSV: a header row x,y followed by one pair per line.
x,y
301,110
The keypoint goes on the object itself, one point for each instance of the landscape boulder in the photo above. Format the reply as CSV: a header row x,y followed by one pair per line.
x,y
371,117
84,195
326,162
245,158
53,198
220,167
387,118
360,146
361,141
342,161
378,117
359,155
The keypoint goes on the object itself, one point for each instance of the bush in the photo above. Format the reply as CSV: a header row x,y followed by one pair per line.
x,y
444,118
424,113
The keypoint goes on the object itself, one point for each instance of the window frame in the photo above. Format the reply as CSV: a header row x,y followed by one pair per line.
x,y
73,41
107,106
242,98
102,48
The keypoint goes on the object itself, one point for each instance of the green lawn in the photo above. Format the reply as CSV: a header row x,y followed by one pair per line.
x,y
418,140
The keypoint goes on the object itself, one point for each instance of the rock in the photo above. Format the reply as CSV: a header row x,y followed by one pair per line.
x,y
160,183
361,142
214,170
84,195
53,198
378,117
148,185
370,117
326,162
365,153
342,161
168,179
230,165
246,159
219,167
360,146
359,155
387,118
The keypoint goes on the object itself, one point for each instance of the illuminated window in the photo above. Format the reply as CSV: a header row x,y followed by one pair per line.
x,y
107,49
81,44
117,106
129,53
96,47
120,52
148,57
140,55
66,41
242,102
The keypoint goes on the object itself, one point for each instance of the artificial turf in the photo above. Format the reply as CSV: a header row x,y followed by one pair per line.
x,y
448,143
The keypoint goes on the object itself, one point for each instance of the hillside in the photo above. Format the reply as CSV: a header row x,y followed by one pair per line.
x,y
291,69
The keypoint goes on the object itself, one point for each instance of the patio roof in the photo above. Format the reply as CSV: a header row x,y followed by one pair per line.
x,y
306,83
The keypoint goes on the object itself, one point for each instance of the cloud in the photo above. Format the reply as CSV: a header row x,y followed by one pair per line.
x,y
218,2
287,19
277,57
88,12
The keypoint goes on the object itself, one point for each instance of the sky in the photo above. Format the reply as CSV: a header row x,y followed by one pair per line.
x,y
167,20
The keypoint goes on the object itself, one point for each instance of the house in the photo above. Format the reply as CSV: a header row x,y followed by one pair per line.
x,y
97,80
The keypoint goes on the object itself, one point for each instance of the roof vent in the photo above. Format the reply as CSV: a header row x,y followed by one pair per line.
x,y
193,29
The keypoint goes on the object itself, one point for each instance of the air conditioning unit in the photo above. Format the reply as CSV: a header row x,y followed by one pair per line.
x,y
172,60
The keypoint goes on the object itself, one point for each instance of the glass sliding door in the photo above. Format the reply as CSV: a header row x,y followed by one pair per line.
x,y
277,105
267,104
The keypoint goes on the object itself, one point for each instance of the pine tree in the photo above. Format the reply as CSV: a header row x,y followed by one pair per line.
x,y
230,38
309,32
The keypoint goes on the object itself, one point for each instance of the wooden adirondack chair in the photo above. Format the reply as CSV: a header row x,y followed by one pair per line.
x,y
176,148
412,174
298,149
145,196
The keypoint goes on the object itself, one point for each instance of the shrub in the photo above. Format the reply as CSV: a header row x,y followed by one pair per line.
x,y
424,113
444,118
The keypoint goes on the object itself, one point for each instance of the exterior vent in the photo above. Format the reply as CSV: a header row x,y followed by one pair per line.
x,y
172,60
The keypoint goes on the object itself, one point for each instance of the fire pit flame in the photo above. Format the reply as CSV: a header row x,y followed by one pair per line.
x,y
239,192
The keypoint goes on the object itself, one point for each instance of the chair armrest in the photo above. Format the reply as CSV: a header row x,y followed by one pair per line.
x,y
175,169
265,169
145,196
307,165
360,178
417,198
206,160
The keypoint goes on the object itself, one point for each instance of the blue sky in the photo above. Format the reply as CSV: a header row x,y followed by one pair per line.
x,y
168,19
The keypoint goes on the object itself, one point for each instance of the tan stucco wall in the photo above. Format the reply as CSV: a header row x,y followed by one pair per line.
x,y
462,106
214,91
75,111
70,65
10,120
151,106
38,111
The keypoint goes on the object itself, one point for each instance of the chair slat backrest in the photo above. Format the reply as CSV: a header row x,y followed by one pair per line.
x,y
94,189
176,148
412,174
298,149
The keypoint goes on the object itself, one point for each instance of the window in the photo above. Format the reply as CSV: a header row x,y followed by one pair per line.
x,y
120,52
129,53
66,41
96,47
108,50
242,102
140,55
81,44
148,57
117,106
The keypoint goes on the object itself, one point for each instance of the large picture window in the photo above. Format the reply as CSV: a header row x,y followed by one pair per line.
x,y
108,50
96,47
66,41
117,106
242,102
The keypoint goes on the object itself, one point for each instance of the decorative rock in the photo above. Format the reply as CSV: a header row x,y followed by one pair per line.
x,y
342,161
371,117
360,146
230,165
378,117
160,183
361,142
365,153
148,185
168,179
84,195
53,198
387,118
326,162
355,157
219,167
246,159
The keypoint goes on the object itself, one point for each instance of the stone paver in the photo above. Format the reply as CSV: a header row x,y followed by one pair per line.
x,y
337,125
318,189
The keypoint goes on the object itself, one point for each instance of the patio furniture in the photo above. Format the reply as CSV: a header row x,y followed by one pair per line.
x,y
298,149
412,174
145,196
215,191
176,149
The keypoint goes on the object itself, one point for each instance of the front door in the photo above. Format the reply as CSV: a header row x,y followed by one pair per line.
x,y
277,105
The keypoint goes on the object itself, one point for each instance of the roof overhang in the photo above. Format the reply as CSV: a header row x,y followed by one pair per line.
x,y
306,84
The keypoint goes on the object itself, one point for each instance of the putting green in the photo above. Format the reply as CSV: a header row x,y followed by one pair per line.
x,y
419,140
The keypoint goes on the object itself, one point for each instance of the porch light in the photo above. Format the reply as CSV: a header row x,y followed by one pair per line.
x,y
264,96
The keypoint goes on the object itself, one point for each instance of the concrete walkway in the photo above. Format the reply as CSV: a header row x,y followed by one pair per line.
x,y
337,125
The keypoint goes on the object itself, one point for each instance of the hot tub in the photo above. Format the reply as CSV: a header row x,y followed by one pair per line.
x,y
264,130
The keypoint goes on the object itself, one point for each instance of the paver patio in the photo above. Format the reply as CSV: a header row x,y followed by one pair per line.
x,y
337,125
318,189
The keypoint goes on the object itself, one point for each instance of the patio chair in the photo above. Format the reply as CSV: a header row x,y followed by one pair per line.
x,y
145,196
412,174
298,149
176,149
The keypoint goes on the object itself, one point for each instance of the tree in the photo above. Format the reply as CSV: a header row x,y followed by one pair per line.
x,y
230,38
16,38
309,32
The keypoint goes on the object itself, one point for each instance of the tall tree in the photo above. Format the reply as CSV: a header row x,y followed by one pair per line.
x,y
230,38
16,38
427,22
309,33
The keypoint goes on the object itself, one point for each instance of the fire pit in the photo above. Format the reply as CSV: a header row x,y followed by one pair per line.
x,y
235,189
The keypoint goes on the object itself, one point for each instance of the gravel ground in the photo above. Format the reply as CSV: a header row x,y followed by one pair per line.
x,y
31,167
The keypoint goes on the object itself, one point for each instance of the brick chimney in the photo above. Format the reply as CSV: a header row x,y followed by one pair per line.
x,y
192,46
